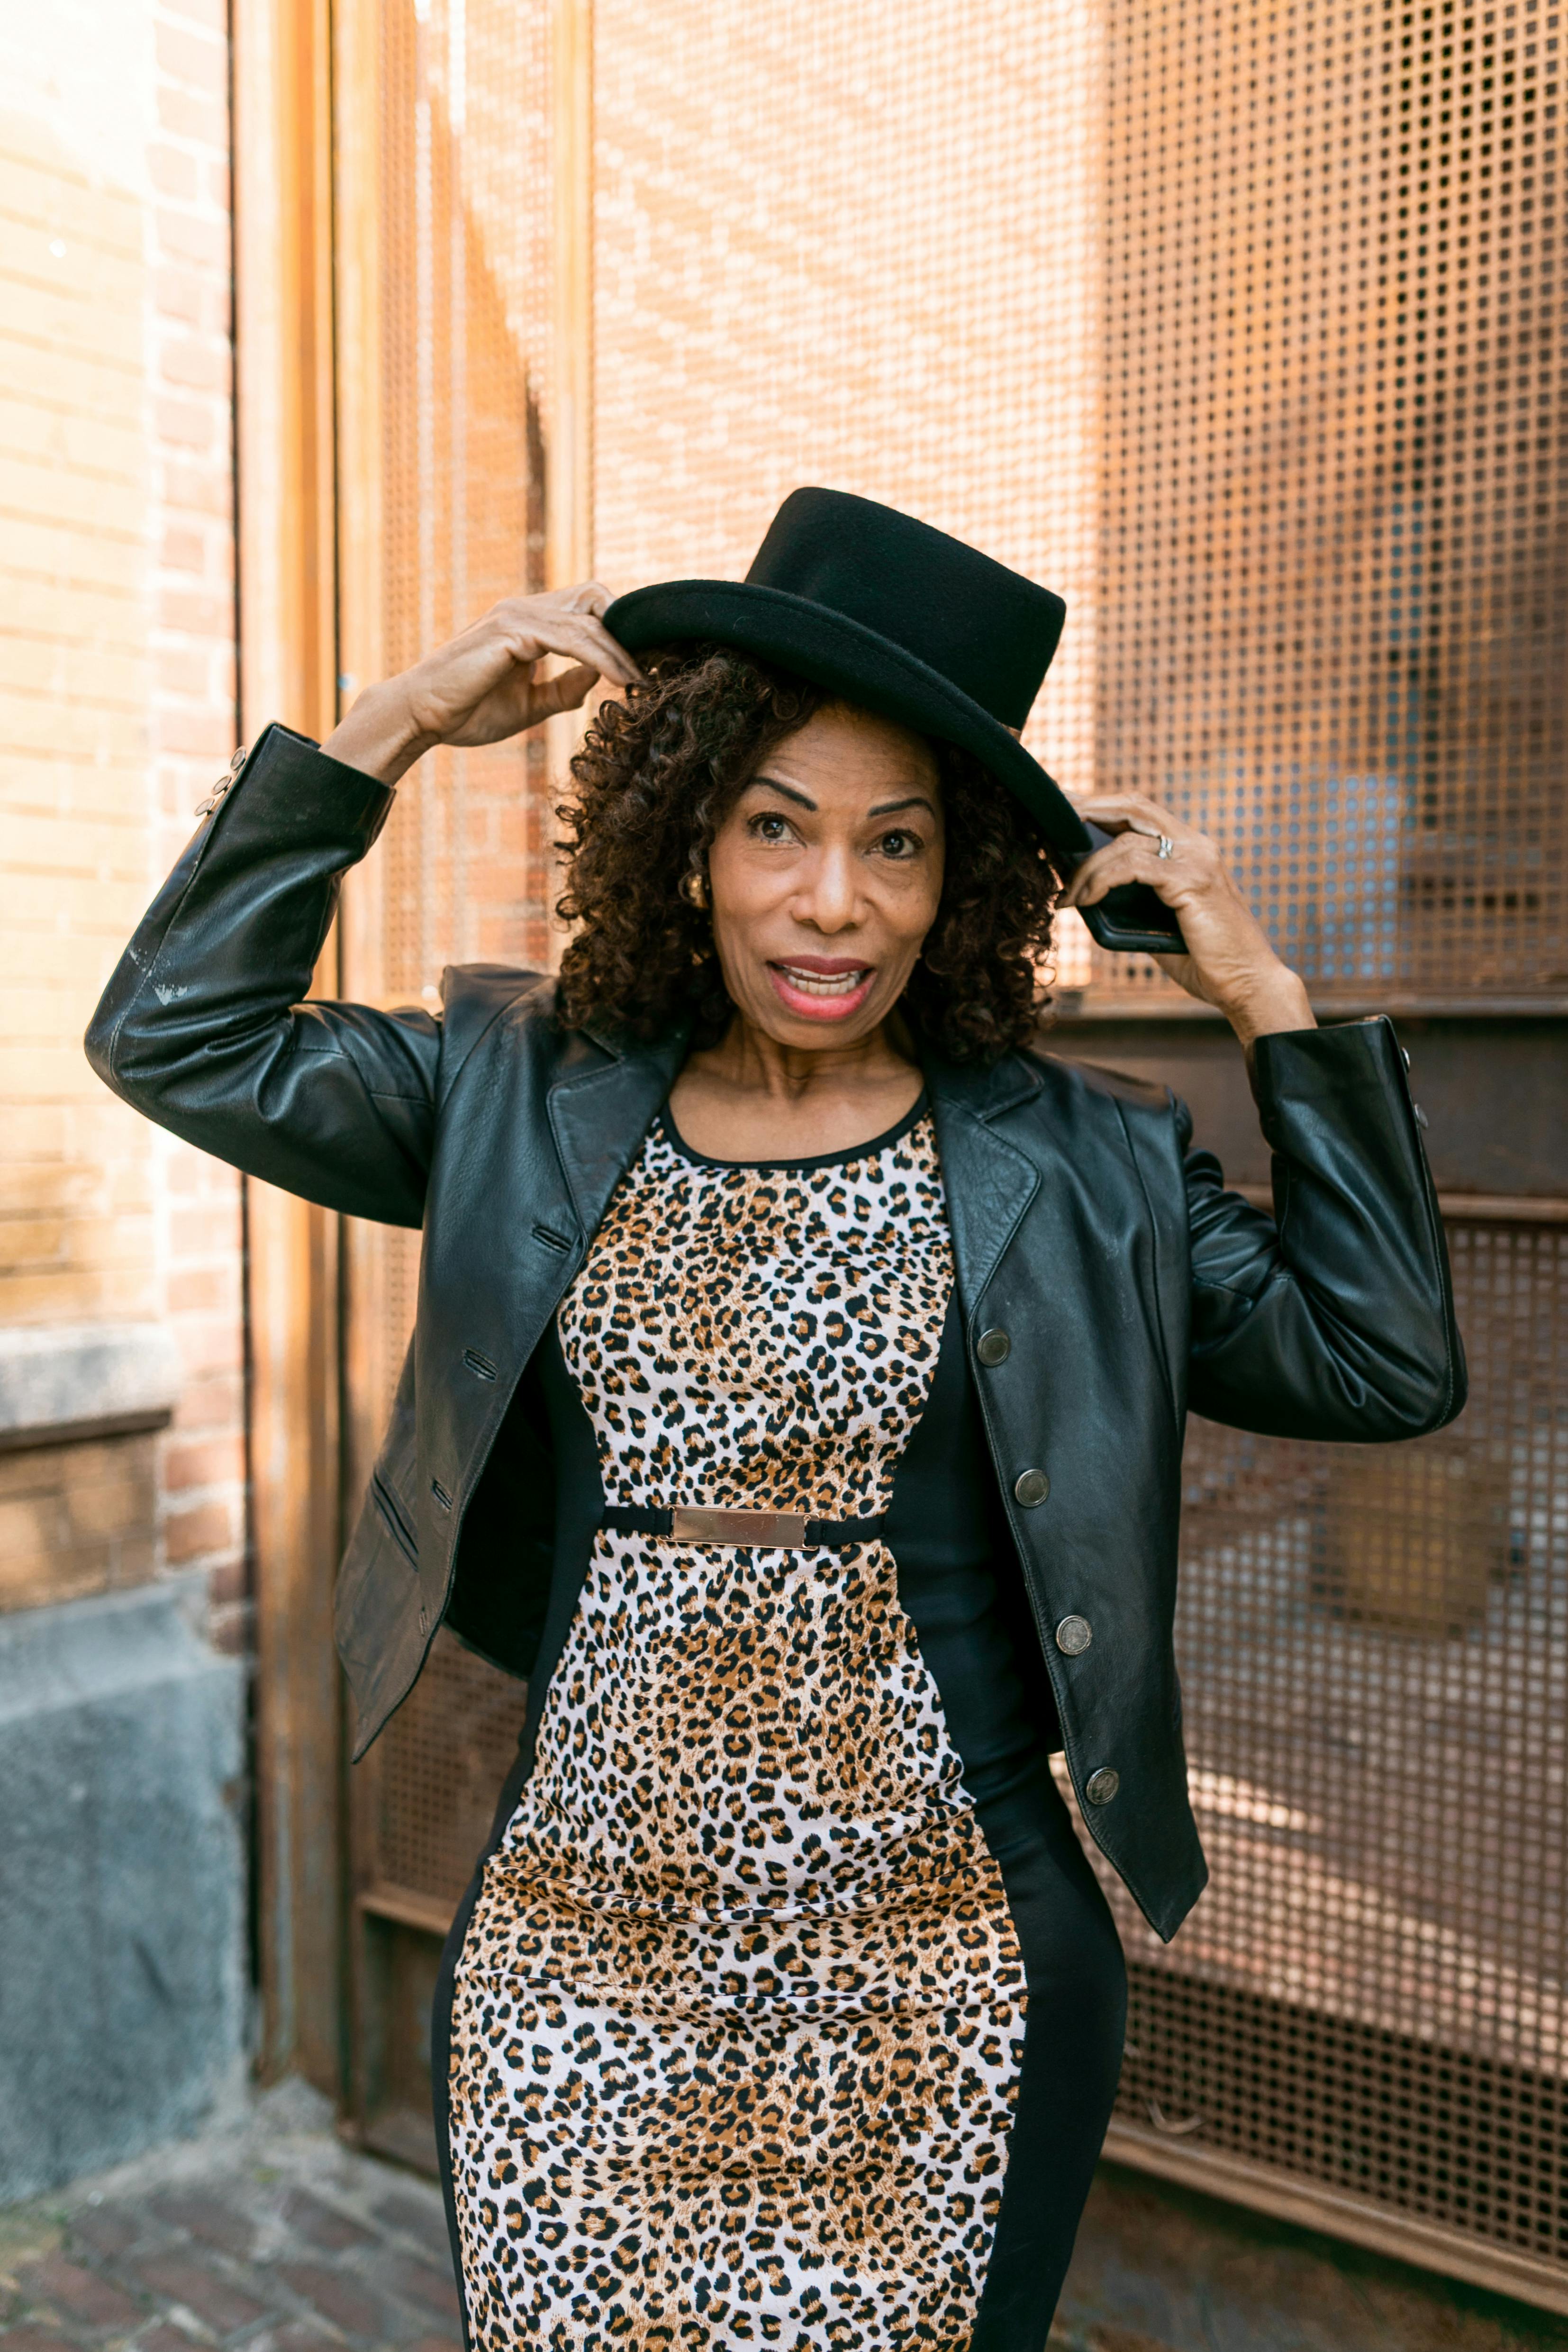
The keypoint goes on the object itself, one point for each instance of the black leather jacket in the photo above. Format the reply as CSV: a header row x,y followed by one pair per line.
x,y
1132,1284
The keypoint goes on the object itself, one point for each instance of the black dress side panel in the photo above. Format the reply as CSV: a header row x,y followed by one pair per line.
x,y
960,1580
579,1500
1072,2039
960,1583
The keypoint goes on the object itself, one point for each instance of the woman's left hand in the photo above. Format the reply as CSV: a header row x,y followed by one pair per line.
x,y
1228,963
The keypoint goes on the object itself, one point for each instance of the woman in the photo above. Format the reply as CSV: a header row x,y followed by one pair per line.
x,y
797,1400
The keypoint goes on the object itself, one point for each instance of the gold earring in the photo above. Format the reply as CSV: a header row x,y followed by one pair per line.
x,y
694,889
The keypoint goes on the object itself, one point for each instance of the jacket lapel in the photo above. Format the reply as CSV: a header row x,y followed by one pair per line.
x,y
989,1182
600,1111
485,1306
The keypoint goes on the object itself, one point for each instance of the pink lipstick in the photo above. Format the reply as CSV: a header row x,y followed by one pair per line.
x,y
821,988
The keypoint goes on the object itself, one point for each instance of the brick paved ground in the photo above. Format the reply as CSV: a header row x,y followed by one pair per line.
x,y
269,2235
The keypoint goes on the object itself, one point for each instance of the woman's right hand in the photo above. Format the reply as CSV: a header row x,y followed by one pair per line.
x,y
481,687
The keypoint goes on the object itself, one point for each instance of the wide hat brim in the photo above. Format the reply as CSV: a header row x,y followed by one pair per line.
x,y
850,660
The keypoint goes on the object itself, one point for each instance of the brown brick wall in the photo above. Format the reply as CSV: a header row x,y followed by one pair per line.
x,y
116,708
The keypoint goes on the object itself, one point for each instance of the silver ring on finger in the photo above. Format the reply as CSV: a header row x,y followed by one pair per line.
x,y
1167,846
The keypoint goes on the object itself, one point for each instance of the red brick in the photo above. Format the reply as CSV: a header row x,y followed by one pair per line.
x,y
105,2229
184,549
210,1344
185,1171
189,423
174,171
208,1527
425,2223
192,117
421,2283
31,2337
201,366
231,1631
181,293
200,733
195,613
182,237
216,1400
206,1464
205,486
320,2224
343,2301
78,2294
188,57
202,1291
198,489
228,1587
177,670
188,2279
209,1225
208,2219
212,12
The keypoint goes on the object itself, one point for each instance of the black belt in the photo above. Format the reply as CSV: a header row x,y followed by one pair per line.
x,y
769,1531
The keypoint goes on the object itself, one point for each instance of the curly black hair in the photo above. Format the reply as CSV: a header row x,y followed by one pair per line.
x,y
657,774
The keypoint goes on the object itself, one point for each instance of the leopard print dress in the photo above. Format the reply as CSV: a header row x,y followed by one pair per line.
x,y
738,2020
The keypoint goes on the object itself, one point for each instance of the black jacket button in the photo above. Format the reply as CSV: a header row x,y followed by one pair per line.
x,y
1102,1786
1031,1486
1073,1637
994,1347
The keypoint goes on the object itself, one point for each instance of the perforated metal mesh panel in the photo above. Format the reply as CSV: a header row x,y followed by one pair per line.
x,y
1335,626
438,1772
1373,1647
465,862
850,245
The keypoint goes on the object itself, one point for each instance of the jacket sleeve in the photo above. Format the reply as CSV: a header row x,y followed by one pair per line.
x,y
203,1026
1335,1318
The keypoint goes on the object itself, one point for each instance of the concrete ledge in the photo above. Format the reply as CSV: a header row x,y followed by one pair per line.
x,y
63,1382
121,1884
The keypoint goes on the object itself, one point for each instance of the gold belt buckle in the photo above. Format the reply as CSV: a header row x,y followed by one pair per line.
x,y
765,1527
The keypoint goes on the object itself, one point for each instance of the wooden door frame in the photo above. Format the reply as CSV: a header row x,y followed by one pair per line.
x,y
305,110
285,446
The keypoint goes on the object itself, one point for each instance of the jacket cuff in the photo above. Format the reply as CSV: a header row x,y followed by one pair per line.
x,y
1307,1065
1306,1081
288,786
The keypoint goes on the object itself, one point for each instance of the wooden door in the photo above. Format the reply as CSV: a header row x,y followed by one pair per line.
x,y
455,240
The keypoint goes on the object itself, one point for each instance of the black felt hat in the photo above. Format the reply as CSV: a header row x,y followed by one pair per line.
x,y
890,614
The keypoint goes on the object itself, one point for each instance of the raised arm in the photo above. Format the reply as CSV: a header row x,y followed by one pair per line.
x,y
203,1026
1332,1318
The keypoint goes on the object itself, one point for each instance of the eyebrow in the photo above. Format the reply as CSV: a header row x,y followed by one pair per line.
x,y
789,791
883,808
